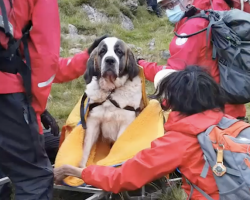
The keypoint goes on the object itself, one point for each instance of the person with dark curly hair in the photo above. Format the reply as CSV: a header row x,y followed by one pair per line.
x,y
197,102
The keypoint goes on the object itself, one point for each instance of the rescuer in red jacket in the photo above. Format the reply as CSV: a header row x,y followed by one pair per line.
x,y
197,102
29,64
192,50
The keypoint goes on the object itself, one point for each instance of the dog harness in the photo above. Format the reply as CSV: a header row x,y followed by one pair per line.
x,y
93,105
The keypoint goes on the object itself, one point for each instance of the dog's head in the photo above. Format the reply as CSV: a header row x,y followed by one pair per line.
x,y
112,59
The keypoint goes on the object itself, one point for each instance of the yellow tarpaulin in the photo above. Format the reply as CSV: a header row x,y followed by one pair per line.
x,y
139,134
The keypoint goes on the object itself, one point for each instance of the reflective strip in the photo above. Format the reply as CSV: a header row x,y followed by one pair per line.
x,y
242,4
46,83
164,67
69,61
2,25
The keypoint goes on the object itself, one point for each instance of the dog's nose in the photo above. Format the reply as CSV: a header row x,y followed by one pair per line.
x,y
110,60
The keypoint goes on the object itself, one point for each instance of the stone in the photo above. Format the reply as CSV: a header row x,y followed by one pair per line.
x,y
126,22
131,4
72,29
131,46
50,97
74,38
78,46
94,15
66,95
151,44
74,51
165,54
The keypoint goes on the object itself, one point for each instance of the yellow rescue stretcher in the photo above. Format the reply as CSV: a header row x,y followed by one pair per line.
x,y
147,127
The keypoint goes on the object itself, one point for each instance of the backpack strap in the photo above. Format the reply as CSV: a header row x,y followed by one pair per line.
x,y
203,15
10,58
193,186
213,18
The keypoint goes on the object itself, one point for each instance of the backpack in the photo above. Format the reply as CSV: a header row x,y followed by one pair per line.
x,y
226,149
230,37
11,60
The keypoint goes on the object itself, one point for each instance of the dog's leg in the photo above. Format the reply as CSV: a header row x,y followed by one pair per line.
x,y
91,136
124,125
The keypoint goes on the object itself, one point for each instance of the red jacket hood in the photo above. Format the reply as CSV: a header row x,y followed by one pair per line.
x,y
205,4
193,124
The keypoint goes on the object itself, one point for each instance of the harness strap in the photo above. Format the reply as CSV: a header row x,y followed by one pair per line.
x,y
93,105
82,113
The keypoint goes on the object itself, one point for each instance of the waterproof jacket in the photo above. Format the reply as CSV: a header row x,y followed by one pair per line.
x,y
179,147
193,51
44,45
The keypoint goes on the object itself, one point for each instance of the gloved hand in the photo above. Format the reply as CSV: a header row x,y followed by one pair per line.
x,y
49,122
96,43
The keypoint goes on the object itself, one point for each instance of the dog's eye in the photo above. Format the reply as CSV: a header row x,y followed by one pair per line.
x,y
102,51
119,52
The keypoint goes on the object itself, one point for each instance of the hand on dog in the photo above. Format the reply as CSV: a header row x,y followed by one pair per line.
x,y
96,43
49,122
62,172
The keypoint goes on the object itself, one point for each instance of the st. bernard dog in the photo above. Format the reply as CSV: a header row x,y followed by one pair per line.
x,y
113,87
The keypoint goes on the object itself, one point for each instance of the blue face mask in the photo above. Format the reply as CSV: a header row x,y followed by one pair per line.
x,y
175,14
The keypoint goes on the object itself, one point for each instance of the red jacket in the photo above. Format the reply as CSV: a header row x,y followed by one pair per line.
x,y
179,147
47,67
237,4
192,51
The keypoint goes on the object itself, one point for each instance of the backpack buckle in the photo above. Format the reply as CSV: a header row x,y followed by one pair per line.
x,y
219,169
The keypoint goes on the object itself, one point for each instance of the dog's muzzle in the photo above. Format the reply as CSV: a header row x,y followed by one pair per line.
x,y
109,70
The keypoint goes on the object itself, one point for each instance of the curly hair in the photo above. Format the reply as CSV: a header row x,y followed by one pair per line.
x,y
190,91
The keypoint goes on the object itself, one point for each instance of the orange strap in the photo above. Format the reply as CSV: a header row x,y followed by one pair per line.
x,y
236,128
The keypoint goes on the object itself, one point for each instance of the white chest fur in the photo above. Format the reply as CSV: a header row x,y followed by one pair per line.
x,y
113,120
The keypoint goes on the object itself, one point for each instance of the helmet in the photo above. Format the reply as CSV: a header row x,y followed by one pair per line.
x,y
162,74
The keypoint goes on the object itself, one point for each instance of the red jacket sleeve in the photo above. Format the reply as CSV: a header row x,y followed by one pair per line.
x,y
71,68
44,48
183,51
162,158
150,69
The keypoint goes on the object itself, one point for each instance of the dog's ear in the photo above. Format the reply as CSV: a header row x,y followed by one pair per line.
x,y
131,65
91,67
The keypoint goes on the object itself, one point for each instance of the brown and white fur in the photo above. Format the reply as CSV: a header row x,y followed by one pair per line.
x,y
111,66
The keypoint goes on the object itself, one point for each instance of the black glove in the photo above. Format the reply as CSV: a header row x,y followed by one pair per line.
x,y
96,43
49,122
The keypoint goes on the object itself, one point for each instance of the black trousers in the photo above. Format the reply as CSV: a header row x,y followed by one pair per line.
x,y
22,154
